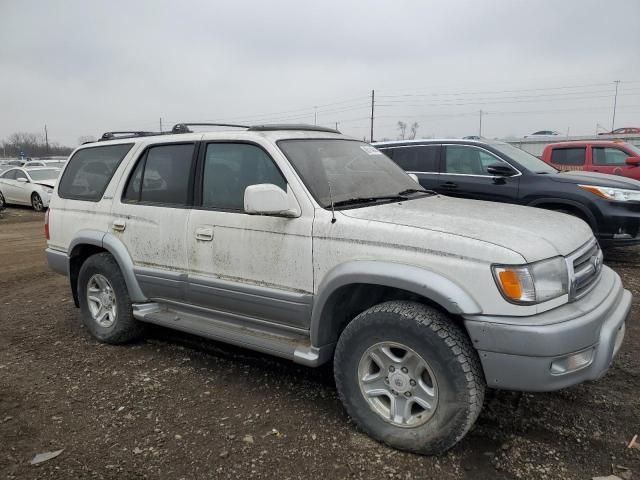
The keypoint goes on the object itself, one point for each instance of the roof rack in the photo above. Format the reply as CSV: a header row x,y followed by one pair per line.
x,y
126,134
184,127
291,126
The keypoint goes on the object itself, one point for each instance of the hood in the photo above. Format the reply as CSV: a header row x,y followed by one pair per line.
x,y
46,183
533,233
600,179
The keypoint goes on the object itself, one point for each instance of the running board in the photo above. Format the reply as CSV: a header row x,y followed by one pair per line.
x,y
220,326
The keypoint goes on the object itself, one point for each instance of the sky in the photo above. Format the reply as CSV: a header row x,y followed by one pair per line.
x,y
85,67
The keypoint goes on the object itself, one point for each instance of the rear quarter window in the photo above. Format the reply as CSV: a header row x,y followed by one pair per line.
x,y
568,156
89,171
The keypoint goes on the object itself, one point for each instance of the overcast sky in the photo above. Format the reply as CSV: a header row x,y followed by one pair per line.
x,y
83,67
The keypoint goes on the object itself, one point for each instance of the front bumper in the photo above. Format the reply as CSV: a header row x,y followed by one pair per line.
x,y
517,353
618,223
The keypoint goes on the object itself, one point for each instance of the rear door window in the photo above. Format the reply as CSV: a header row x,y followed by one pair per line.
x,y
9,175
604,156
162,176
568,156
89,171
423,158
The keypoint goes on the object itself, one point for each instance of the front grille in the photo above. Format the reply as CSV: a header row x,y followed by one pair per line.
x,y
587,265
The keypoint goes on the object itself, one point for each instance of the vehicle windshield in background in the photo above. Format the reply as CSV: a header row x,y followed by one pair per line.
x,y
355,170
528,161
634,149
44,174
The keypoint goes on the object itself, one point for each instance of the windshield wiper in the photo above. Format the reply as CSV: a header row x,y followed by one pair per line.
x,y
409,191
358,200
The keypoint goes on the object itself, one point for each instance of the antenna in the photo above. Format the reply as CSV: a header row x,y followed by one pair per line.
x,y
333,210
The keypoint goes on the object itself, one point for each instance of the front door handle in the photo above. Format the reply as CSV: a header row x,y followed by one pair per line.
x,y
449,185
204,234
119,225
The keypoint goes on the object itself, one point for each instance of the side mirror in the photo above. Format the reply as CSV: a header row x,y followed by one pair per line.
x,y
269,199
501,170
23,180
414,177
632,161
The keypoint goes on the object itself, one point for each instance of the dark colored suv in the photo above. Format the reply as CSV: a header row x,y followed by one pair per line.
x,y
499,172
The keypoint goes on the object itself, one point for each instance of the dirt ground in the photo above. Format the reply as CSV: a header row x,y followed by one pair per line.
x,y
175,406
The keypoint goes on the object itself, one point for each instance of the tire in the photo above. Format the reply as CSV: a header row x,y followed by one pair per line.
x,y
105,305
454,376
36,202
3,202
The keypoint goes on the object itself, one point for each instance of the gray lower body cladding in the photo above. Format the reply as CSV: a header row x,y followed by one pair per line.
x,y
522,353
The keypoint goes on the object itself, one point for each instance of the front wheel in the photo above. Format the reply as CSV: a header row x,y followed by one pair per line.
x,y
3,202
409,377
36,202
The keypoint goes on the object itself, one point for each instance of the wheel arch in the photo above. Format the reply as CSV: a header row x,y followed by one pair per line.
x,y
564,204
352,287
91,242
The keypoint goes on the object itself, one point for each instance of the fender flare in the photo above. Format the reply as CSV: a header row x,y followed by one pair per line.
x,y
591,219
434,286
119,252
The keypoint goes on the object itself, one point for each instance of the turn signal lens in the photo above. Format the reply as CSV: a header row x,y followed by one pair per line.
x,y
510,284
532,283
516,283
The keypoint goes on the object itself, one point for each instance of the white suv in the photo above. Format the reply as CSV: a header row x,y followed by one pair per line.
x,y
303,243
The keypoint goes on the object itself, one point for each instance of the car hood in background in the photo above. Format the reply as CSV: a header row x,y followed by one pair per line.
x,y
534,233
599,179
46,183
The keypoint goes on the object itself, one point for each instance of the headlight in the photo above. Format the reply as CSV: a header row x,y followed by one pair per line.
x,y
532,283
48,190
617,194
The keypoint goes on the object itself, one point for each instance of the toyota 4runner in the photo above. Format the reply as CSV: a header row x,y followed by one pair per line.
x,y
300,242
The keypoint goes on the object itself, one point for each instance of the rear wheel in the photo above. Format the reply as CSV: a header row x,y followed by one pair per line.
x,y
3,203
36,202
104,301
409,377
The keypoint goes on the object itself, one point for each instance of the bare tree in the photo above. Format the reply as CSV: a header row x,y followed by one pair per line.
x,y
403,130
414,130
31,145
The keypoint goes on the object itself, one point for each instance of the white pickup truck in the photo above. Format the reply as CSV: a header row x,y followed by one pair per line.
x,y
301,242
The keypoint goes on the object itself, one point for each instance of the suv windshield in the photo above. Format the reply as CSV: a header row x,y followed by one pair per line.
x,y
348,171
44,174
528,161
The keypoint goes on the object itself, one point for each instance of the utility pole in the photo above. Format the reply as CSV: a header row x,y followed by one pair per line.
x,y
615,101
46,138
480,129
336,125
315,116
373,102
160,124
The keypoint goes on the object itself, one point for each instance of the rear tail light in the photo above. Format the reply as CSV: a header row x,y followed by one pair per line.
x,y
46,224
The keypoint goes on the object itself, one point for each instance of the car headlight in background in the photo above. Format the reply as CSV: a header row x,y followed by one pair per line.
x,y
533,283
617,194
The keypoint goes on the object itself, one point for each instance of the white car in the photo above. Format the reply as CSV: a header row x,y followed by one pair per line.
x,y
45,163
543,133
28,186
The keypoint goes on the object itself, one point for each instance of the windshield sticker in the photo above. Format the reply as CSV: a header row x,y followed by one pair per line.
x,y
370,150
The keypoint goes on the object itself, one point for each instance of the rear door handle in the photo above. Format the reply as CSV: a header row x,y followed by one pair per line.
x,y
119,225
204,234
449,185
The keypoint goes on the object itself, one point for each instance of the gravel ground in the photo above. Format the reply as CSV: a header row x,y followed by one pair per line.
x,y
175,406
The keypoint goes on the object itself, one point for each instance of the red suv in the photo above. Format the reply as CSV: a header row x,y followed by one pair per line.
x,y
613,157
